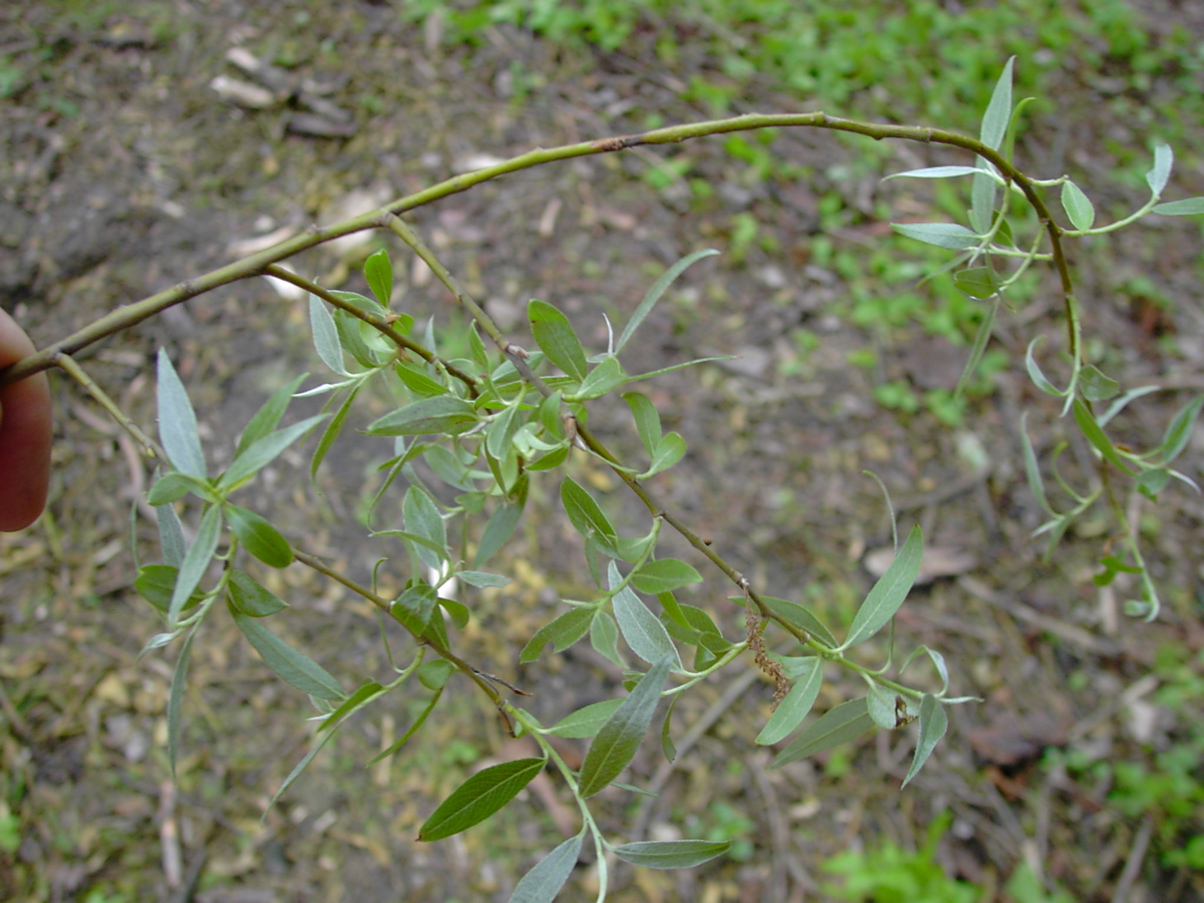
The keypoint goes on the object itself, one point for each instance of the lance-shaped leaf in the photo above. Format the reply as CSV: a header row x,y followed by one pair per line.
x,y
442,414
604,637
326,336
259,537
608,375
563,631
499,529
802,617
1077,206
157,582
586,721
249,598
1179,430
479,797
642,630
584,513
671,854
1185,207
654,295
293,666
647,420
196,560
555,336
669,450
175,699
889,592
379,273
543,882
881,705
616,743
1164,159
798,702
269,415
422,518
663,575
839,725
171,536
263,451
1097,437
952,236
935,172
933,724
331,433
177,422
999,110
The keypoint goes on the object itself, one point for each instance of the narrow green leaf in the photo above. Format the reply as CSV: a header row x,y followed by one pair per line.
x,y
326,336
418,381
667,747
197,559
644,308
586,721
1035,374
663,575
889,592
584,514
174,485
999,110
363,695
1185,207
848,720
1078,206
1179,430
501,431
618,740
933,724
422,518
647,420
671,854
263,451
414,607
802,617
881,706
978,349
1097,437
443,414
268,416
481,578
379,273
605,377
476,347
1095,385
259,537
156,582
935,172
642,630
177,422
497,532
332,431
294,667
479,797
1164,159
171,536
977,282
563,631
670,450
544,880
604,637
299,768
983,192
798,702
555,336
249,598
175,698
952,236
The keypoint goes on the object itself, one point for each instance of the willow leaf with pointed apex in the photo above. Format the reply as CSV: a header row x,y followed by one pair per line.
x,y
1097,437
999,110
604,637
605,377
418,381
977,282
584,514
1035,374
268,416
586,721
889,592
175,485
618,740
294,667
643,631
951,236
1185,207
667,748
479,797
249,598
177,422
1164,159
298,769
983,191
171,537
933,724
801,617
326,336
378,271
175,699
263,451
654,294
663,370
332,431
938,662
555,337
1078,206
196,560
671,854
1095,385
1179,431
979,348
156,582
563,631
647,419
934,172
839,725
543,882
422,518
796,705
410,732
441,414
498,530
663,575
669,450
259,537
